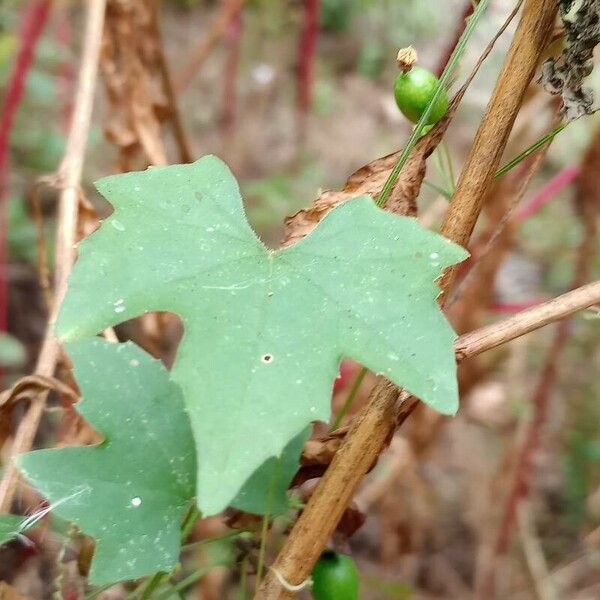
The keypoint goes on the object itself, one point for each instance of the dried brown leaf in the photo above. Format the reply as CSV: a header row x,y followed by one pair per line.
x,y
238,519
321,450
27,388
131,64
370,178
352,520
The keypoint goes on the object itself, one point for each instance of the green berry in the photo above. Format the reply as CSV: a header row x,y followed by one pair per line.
x,y
413,91
335,577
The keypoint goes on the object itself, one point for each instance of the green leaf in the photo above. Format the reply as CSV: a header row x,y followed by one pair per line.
x,y
12,351
11,526
265,330
266,490
130,491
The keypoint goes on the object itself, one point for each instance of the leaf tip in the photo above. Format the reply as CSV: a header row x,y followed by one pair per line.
x,y
448,408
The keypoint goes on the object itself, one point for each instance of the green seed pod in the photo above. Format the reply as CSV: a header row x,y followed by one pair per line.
x,y
335,577
413,91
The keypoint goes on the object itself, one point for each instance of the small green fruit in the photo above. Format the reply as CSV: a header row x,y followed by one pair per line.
x,y
335,577
413,91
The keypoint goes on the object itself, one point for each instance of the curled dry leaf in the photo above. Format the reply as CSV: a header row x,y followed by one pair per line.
x,y
239,519
316,456
27,388
352,519
321,450
370,178
130,64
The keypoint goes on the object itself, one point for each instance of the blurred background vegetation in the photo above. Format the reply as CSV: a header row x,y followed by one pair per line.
x,y
427,532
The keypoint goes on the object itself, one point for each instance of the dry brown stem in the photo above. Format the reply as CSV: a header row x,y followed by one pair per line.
x,y
230,9
534,555
484,158
376,423
70,177
185,152
526,321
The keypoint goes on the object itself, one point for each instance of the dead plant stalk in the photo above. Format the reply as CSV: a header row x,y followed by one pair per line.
x,y
230,9
69,177
387,405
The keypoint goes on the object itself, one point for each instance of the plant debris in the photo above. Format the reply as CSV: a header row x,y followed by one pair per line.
x,y
565,75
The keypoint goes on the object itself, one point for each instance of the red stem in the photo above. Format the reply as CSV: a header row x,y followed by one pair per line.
x,y
549,191
514,307
306,54
33,21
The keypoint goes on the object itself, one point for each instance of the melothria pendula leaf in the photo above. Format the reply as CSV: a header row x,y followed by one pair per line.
x,y
265,331
131,491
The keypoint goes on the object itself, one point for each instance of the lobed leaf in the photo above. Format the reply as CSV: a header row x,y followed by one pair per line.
x,y
265,331
130,491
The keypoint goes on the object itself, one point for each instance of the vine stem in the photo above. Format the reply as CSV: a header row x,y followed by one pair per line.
x,y
153,585
460,27
69,177
307,53
511,164
265,524
388,405
350,399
